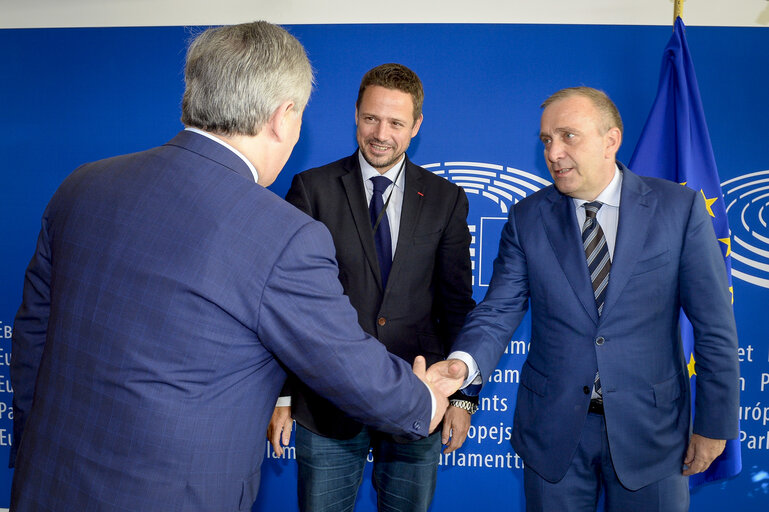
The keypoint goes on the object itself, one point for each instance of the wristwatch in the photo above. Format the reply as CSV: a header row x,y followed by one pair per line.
x,y
465,404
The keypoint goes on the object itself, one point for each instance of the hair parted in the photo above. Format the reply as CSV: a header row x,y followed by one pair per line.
x,y
236,76
398,77
609,113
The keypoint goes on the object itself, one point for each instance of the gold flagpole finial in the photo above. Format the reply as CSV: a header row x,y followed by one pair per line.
x,y
678,10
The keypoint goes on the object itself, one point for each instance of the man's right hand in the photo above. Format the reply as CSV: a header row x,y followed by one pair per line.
x,y
441,397
279,430
447,376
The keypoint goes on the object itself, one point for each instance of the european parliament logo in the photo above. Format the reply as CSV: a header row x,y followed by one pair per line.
x,y
491,189
747,204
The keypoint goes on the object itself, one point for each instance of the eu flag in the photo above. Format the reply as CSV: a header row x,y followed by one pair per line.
x,y
675,145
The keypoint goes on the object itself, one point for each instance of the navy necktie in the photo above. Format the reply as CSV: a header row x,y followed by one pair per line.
x,y
382,239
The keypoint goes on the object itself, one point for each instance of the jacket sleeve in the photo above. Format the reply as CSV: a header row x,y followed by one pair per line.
x,y
309,325
29,334
491,324
707,302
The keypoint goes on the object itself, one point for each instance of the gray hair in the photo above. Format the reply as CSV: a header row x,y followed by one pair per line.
x,y
238,75
610,117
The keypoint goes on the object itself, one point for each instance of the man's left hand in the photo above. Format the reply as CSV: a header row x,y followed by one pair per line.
x,y
456,423
701,452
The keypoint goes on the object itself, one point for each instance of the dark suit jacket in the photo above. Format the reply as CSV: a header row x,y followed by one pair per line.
x,y
429,290
666,257
166,293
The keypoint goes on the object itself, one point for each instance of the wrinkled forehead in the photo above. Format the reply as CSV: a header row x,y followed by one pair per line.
x,y
574,113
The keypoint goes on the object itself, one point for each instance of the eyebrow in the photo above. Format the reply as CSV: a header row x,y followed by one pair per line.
x,y
564,129
384,118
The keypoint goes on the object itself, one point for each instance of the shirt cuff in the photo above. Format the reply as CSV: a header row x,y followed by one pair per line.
x,y
432,402
473,373
283,401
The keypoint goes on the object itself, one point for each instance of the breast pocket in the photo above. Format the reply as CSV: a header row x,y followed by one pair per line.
x,y
652,263
427,238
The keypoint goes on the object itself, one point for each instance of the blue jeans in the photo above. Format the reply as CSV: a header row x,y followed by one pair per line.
x,y
331,470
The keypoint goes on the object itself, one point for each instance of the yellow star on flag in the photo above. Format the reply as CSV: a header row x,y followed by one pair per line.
x,y
690,366
728,243
708,202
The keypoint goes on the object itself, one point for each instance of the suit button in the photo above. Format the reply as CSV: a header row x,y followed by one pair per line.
x,y
599,340
586,390
381,321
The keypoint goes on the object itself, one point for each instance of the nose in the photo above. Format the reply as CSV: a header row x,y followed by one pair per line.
x,y
554,151
381,132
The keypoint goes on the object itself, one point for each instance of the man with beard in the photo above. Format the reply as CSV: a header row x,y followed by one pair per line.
x,y
402,244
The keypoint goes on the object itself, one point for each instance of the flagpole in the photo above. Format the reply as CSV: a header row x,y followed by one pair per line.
x,y
678,10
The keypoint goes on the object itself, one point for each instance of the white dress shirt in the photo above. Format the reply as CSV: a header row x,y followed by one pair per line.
x,y
220,141
608,215
393,191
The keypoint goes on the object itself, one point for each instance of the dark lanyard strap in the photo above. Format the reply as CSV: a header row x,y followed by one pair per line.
x,y
392,189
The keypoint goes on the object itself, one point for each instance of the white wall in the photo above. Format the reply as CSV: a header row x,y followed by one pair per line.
x,y
93,13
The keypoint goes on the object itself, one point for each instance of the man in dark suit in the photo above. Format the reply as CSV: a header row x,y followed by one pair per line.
x,y
606,259
406,268
169,290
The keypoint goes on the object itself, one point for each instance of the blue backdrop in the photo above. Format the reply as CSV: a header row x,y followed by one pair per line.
x,y
68,96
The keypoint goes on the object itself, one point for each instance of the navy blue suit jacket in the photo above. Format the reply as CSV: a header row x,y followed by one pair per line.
x,y
167,293
666,257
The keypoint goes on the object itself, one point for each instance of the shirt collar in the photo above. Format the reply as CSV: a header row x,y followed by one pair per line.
x,y
223,143
611,194
368,172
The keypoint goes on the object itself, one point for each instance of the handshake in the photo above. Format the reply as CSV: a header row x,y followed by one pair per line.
x,y
443,378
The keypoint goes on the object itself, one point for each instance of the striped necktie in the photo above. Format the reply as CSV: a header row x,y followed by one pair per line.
x,y
598,264
597,253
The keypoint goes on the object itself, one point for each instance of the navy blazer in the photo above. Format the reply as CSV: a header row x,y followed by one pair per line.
x,y
666,257
166,295
429,290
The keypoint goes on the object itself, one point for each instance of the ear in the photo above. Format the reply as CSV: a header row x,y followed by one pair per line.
x,y
277,123
612,141
417,124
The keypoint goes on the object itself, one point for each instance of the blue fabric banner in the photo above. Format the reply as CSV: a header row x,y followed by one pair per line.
x,y
77,95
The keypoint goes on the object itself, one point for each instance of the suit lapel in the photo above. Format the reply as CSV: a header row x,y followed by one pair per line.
x,y
637,205
560,221
356,198
412,206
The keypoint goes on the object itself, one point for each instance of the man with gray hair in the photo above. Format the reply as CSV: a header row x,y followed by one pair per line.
x,y
606,259
167,293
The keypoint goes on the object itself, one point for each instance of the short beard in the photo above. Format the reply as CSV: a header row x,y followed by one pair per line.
x,y
388,163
